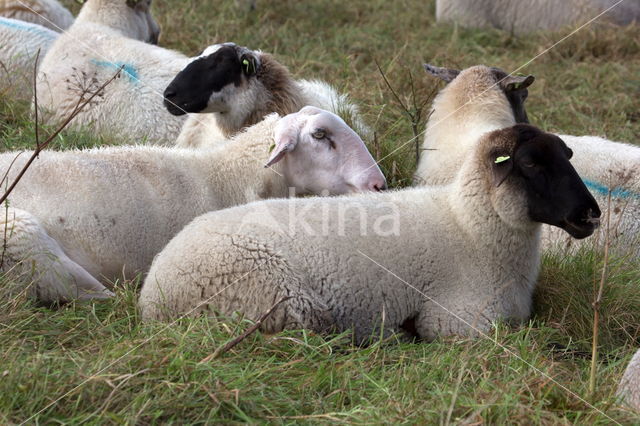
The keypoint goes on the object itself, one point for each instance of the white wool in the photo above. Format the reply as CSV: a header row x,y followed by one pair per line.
x,y
521,17
449,246
47,13
108,35
19,45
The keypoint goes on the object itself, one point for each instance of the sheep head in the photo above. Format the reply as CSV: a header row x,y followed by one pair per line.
x,y
531,175
212,80
132,18
321,154
480,81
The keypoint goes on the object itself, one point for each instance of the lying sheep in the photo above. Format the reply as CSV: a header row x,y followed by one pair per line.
x,y
20,43
468,251
474,102
239,87
47,13
477,100
629,389
108,36
535,15
81,217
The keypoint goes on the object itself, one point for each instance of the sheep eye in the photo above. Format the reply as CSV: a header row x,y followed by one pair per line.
x,y
529,164
319,134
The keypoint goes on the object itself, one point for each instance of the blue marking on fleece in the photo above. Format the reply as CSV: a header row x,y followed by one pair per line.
x,y
129,70
604,190
25,26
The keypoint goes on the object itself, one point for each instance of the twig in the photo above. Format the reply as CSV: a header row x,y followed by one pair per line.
x,y
596,304
41,146
35,96
415,115
223,349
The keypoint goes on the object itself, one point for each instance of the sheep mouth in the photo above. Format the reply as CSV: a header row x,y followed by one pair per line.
x,y
173,108
581,229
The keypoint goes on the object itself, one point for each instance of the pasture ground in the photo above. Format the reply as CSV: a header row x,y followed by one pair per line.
x,y
97,363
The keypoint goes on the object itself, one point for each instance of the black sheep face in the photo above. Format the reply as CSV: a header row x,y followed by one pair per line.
x,y
539,165
212,81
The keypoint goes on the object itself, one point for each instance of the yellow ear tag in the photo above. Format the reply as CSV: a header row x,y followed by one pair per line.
x,y
245,62
272,147
502,159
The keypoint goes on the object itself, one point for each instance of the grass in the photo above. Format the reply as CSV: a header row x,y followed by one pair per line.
x,y
107,367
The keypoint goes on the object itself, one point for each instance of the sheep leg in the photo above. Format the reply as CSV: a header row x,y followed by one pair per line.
x,y
439,318
34,259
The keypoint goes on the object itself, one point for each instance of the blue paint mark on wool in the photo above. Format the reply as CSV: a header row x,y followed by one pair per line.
x,y
25,26
604,190
128,70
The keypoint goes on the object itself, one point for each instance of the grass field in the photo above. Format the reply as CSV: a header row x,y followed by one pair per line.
x,y
97,363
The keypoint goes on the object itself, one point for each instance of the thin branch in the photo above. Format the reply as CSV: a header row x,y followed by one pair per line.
x,y
42,146
384,77
597,302
35,95
223,349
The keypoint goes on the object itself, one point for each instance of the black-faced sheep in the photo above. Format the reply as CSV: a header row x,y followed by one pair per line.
x,y
474,102
238,87
457,257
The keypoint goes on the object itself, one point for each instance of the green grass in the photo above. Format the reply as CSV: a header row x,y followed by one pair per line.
x,y
98,364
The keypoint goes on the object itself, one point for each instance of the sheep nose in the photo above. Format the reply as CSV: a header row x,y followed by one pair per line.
x,y
169,94
378,186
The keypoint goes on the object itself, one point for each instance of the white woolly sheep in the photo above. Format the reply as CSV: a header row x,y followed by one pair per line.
x,y
473,103
629,389
19,45
239,87
48,13
107,36
104,213
479,100
468,251
534,15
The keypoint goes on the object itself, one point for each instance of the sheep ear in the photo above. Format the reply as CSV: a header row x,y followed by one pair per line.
x,y
250,64
516,82
446,74
501,166
279,150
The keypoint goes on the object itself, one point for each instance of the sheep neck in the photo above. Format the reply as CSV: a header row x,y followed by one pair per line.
x,y
273,90
235,170
514,247
454,128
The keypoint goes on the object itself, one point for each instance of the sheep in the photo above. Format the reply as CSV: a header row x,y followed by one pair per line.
x,y
629,388
80,217
477,100
20,43
109,35
239,87
472,103
47,13
536,15
468,251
